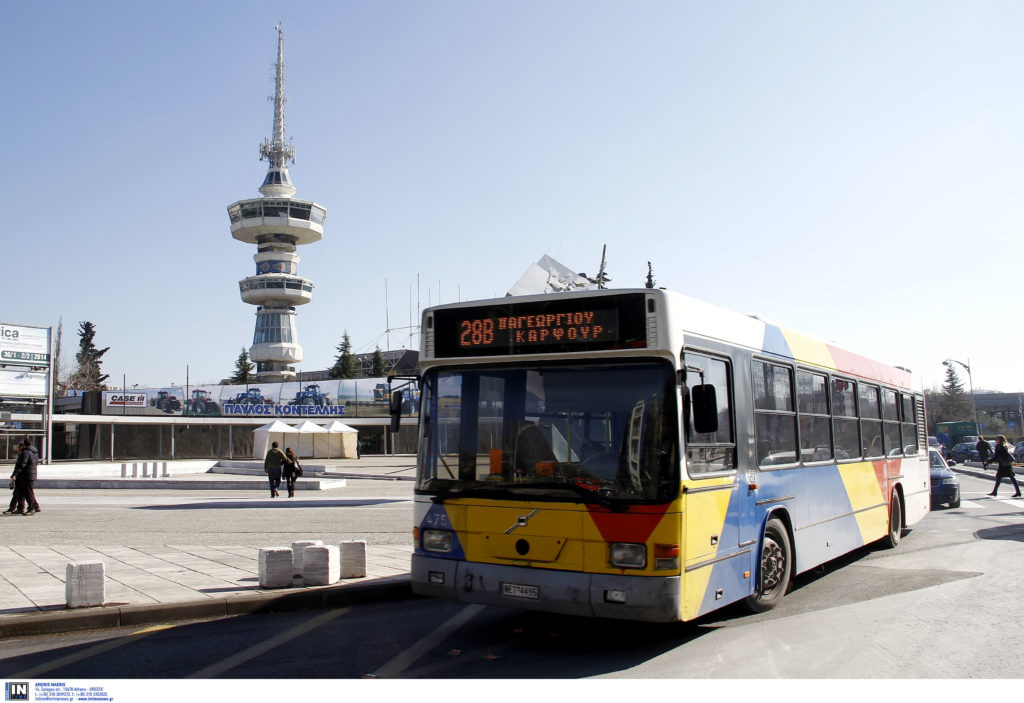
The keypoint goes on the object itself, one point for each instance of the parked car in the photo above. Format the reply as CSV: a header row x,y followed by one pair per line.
x,y
934,443
967,451
945,484
1018,452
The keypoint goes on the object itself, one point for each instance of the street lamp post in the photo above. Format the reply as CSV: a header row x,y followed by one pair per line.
x,y
970,381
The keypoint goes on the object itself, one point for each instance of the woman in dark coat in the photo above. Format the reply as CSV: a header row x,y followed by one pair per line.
x,y
1004,460
290,470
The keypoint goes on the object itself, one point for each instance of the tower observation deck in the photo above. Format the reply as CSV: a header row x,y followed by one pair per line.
x,y
276,223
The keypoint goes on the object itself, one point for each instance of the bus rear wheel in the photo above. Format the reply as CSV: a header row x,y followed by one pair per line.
x,y
775,568
895,521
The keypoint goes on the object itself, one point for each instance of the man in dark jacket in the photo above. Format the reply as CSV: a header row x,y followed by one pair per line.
x,y
984,451
12,510
24,481
272,468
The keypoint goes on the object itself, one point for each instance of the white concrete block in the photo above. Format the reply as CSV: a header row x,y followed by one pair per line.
x,y
321,565
353,558
85,583
275,567
297,549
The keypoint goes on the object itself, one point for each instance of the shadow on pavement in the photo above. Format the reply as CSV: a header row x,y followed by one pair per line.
x,y
248,504
1014,532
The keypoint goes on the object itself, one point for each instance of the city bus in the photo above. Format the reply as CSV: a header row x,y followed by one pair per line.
x,y
639,454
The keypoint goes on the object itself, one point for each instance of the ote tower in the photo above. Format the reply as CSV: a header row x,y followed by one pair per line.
x,y
276,223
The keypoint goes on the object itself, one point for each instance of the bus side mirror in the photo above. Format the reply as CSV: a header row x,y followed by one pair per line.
x,y
705,408
396,410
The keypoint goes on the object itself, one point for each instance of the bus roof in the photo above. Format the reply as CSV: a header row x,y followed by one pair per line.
x,y
696,318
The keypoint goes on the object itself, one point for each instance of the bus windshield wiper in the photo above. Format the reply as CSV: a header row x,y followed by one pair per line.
x,y
474,490
588,495
515,491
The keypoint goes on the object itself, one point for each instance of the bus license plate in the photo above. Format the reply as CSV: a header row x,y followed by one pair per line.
x,y
518,590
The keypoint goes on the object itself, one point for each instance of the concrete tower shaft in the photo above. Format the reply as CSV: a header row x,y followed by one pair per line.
x,y
276,223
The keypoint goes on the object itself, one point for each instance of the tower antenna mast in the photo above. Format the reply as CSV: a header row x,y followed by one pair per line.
x,y
277,150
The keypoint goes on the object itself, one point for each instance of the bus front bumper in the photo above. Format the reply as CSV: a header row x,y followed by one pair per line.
x,y
649,598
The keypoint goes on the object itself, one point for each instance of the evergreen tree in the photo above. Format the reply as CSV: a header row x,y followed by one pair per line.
x,y
379,365
345,365
954,403
650,277
244,369
953,387
88,376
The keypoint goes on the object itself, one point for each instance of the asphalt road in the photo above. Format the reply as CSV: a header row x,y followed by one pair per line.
x,y
941,606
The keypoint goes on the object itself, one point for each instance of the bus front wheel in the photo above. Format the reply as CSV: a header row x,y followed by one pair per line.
x,y
775,568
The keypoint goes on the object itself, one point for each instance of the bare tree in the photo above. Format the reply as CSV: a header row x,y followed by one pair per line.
x,y
60,385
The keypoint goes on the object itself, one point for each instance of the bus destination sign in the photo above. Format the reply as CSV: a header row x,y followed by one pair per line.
x,y
558,325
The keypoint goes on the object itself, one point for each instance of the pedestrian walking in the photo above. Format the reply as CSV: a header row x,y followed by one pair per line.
x,y
272,468
1004,460
291,471
984,451
25,469
14,483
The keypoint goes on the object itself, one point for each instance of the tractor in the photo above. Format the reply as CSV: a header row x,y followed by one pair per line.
x,y
252,396
310,395
201,403
166,402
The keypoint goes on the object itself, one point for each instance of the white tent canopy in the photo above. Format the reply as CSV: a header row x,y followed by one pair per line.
x,y
312,440
307,439
262,437
342,440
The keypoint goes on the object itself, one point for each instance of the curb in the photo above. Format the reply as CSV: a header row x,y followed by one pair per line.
x,y
110,616
176,484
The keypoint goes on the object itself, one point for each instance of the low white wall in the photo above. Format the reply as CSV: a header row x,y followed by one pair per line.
x,y
113,469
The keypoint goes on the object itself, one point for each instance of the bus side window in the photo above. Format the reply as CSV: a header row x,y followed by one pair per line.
x,y
707,414
774,414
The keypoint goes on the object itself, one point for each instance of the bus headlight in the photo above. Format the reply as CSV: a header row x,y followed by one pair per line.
x,y
628,556
437,540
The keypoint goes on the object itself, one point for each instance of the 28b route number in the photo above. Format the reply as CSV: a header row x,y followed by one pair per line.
x,y
476,333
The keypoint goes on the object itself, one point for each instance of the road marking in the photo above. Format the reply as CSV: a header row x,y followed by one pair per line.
x,y
107,646
267,645
405,659
154,628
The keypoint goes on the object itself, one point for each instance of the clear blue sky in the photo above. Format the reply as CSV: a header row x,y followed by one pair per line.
x,y
848,169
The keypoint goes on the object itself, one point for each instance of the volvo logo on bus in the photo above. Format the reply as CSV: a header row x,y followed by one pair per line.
x,y
521,521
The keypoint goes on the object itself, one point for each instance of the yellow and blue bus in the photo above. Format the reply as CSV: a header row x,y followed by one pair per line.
x,y
639,454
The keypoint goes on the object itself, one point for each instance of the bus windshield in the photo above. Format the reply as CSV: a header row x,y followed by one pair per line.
x,y
591,433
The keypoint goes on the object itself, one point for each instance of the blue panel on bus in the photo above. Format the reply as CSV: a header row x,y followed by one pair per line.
x,y
775,342
437,519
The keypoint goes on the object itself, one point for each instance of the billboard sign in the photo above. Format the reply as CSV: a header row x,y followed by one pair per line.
x,y
119,399
365,397
21,383
27,346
